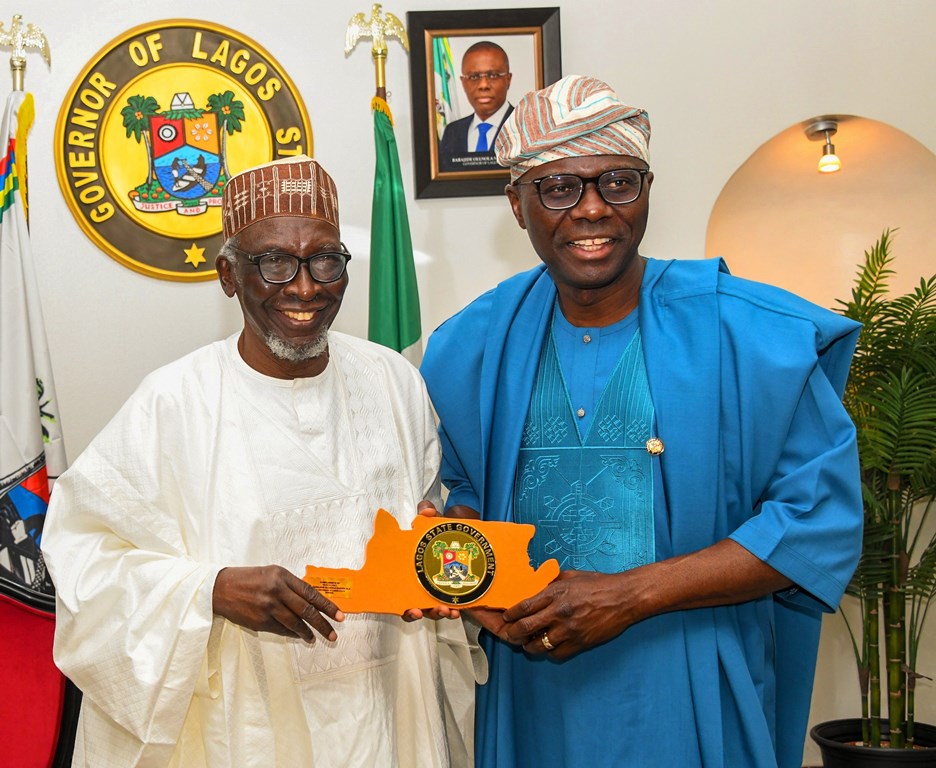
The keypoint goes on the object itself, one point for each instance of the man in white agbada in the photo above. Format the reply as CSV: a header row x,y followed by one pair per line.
x,y
276,445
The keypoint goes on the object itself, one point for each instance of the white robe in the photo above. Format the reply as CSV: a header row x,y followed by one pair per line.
x,y
211,464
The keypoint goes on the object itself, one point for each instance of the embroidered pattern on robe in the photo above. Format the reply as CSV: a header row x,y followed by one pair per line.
x,y
590,497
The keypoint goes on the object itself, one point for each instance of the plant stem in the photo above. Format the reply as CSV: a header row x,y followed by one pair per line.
x,y
895,599
874,671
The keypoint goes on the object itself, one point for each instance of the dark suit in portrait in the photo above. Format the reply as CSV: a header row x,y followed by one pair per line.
x,y
453,147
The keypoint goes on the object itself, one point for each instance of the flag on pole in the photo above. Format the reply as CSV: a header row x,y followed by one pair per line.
x,y
394,296
31,446
446,93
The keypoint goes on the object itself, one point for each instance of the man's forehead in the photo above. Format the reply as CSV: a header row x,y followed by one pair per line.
x,y
480,58
586,165
289,230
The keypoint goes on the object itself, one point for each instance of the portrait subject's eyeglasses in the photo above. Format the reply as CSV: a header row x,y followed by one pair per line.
x,y
565,190
280,267
476,77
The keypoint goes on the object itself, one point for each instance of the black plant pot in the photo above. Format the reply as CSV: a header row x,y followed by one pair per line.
x,y
832,738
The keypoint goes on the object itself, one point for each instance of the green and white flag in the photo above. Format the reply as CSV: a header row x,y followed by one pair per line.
x,y
446,101
393,318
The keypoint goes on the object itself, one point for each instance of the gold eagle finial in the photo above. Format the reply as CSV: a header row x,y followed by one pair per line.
x,y
21,38
378,27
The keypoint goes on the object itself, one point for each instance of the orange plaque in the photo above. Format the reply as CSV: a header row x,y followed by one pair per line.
x,y
441,561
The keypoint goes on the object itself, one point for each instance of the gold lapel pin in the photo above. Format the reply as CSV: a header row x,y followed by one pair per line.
x,y
654,446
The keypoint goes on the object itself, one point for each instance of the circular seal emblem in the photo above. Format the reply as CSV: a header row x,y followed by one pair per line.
x,y
152,129
455,563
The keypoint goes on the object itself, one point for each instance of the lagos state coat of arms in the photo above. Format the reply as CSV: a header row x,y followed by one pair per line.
x,y
455,562
152,129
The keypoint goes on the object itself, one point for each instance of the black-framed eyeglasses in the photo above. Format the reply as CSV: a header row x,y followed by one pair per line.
x,y
476,77
280,267
564,190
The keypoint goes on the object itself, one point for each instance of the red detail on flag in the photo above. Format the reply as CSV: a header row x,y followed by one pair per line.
x,y
38,483
8,157
448,556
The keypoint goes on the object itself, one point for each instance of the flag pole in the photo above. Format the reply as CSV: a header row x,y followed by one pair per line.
x,y
22,38
393,299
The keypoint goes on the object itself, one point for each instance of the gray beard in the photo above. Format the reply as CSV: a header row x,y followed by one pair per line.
x,y
297,353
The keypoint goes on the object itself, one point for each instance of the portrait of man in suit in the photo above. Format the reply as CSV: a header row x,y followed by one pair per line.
x,y
468,144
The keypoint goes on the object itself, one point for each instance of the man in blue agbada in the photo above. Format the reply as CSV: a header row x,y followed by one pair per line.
x,y
677,437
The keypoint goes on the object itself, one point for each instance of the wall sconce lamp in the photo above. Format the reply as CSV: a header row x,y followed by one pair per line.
x,y
824,129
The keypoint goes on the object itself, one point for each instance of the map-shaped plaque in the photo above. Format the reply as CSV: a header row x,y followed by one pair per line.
x,y
439,562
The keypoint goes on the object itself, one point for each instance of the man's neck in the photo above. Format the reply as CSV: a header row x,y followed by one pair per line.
x,y
600,307
495,119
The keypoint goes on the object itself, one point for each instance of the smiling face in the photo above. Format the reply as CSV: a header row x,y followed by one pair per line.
x,y
285,325
486,96
591,250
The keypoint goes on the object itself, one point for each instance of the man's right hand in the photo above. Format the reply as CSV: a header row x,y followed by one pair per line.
x,y
268,598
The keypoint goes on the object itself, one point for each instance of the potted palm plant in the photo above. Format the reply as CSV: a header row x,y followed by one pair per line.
x,y
891,396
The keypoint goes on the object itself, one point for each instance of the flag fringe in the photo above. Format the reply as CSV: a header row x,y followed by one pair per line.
x,y
380,105
25,117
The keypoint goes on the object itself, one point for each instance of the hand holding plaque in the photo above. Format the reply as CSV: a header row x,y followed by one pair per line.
x,y
439,562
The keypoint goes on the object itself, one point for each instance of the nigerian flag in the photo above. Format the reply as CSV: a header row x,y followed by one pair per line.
x,y
394,297
446,95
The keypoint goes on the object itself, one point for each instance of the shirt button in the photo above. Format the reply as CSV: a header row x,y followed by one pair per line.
x,y
580,412
586,338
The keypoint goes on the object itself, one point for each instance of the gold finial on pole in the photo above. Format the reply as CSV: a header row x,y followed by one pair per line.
x,y
21,37
378,27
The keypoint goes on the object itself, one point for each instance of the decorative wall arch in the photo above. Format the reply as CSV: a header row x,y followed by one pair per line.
x,y
780,221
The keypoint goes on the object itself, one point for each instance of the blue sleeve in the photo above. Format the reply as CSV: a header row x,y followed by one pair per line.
x,y
451,368
809,520
454,477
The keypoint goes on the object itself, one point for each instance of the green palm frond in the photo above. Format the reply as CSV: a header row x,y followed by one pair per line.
x,y
230,111
921,578
137,113
899,424
874,567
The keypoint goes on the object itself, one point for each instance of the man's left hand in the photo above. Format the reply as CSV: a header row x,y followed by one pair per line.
x,y
577,611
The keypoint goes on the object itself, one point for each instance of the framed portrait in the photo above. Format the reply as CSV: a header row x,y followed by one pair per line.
x,y
467,68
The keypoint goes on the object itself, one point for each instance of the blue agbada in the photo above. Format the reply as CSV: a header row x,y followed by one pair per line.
x,y
746,383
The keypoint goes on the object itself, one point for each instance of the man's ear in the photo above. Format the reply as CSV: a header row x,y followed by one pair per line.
x,y
514,197
225,275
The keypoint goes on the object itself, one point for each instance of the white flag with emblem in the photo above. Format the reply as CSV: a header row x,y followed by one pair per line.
x,y
31,446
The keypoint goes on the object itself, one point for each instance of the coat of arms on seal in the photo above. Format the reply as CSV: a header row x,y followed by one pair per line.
x,y
185,150
455,563
152,129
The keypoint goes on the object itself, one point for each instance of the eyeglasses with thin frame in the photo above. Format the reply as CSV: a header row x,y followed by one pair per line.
x,y
617,187
279,267
476,77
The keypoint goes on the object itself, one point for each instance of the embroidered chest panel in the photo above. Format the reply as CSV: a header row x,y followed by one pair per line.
x,y
590,497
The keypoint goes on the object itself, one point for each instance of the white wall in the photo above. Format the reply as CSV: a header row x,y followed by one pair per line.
x,y
718,79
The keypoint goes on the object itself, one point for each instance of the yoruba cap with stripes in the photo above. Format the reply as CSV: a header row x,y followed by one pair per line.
x,y
296,186
574,117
